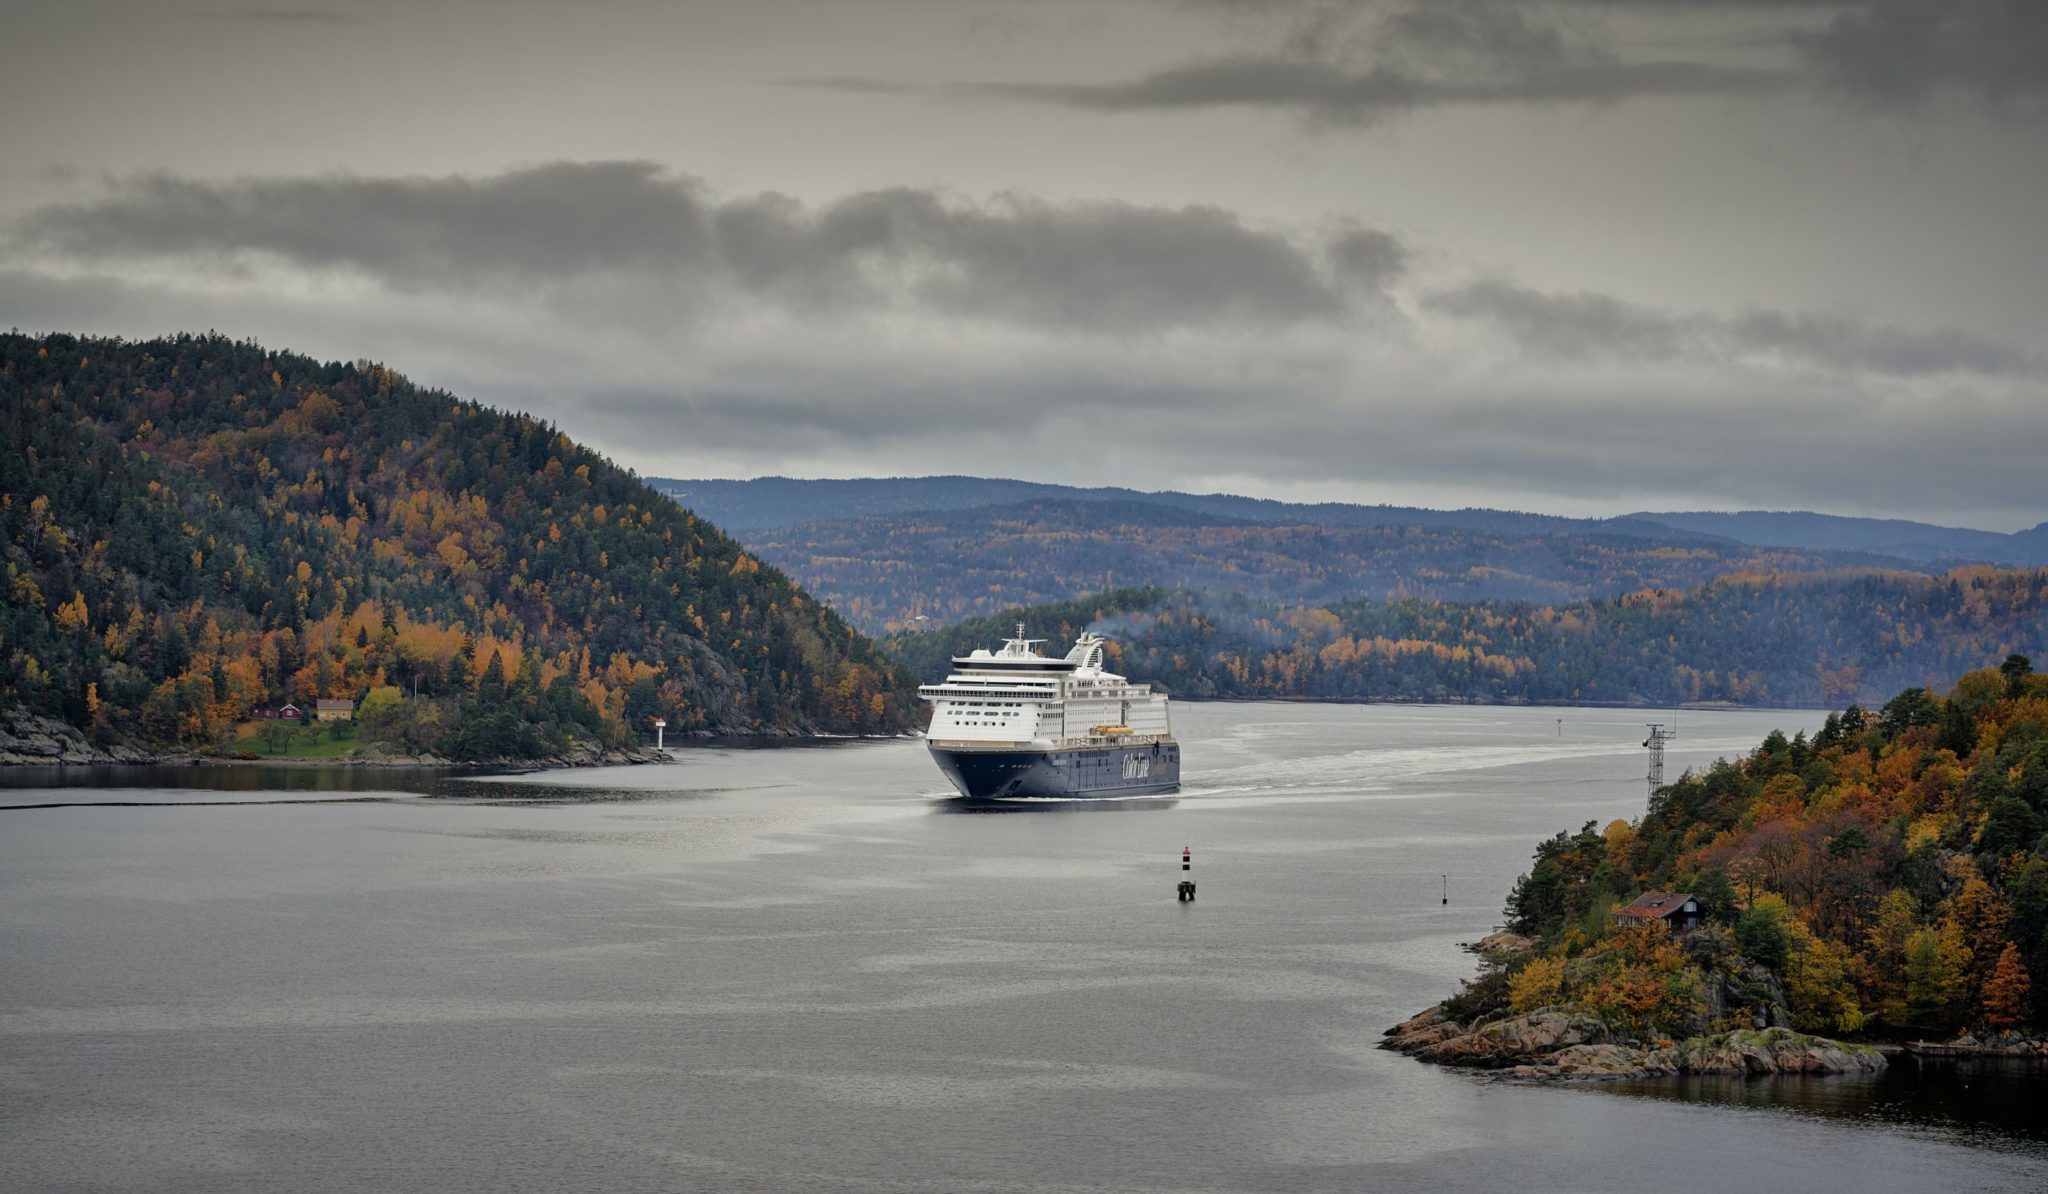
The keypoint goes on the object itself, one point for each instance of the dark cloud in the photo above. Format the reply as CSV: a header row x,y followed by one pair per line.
x,y
1568,326
1905,52
1330,93
1481,35
1837,343
1359,63
1087,266
1594,327
1353,64
1366,258
553,219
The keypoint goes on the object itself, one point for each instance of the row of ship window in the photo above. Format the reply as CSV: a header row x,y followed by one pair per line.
x,y
991,719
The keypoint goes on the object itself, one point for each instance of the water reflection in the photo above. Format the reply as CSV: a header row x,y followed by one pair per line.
x,y
189,786
970,804
544,795
1984,1098
252,777
766,742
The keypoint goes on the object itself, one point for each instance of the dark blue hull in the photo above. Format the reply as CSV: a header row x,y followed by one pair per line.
x,y
1089,773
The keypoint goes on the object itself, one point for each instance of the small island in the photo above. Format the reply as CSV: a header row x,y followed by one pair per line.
x,y
1800,910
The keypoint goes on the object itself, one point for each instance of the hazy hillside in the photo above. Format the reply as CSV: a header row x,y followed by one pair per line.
x,y
1771,640
193,527
769,503
884,572
1885,536
897,553
774,502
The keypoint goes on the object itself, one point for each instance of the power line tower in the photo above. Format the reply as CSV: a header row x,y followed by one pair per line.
x,y
1658,737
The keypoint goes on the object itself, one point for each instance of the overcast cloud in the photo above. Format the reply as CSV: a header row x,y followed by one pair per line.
x,y
1350,63
1582,257
1097,267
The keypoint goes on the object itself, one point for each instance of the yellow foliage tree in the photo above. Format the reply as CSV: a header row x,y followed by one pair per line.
x,y
72,616
1540,983
1820,986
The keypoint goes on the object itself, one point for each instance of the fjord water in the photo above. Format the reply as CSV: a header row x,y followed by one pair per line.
x,y
797,968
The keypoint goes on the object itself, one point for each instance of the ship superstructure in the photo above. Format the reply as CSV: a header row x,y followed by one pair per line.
x,y
1014,723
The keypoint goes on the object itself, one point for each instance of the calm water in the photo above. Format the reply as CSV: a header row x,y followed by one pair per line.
x,y
796,969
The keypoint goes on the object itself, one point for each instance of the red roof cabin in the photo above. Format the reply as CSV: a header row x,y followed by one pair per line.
x,y
1678,911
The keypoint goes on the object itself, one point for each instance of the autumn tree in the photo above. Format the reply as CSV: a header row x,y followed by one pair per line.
x,y
1820,984
2005,993
1936,980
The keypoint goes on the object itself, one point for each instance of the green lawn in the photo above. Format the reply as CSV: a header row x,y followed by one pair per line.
x,y
249,736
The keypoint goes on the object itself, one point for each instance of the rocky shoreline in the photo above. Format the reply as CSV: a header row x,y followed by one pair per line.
x,y
1567,1043
30,740
2003,1044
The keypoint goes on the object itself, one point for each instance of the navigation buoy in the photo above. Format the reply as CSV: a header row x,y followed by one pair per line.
x,y
1186,859
1186,892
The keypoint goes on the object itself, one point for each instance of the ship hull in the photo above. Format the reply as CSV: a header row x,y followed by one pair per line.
x,y
1076,773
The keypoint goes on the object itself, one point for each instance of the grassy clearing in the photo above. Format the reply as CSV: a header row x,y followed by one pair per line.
x,y
316,741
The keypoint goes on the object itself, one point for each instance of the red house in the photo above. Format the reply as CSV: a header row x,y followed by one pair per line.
x,y
286,712
1678,911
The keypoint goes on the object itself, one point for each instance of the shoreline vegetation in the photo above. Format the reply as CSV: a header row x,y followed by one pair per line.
x,y
27,740
1800,910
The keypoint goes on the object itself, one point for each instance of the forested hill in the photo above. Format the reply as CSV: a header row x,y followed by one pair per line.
x,y
884,572
1800,640
195,527
767,510
1891,874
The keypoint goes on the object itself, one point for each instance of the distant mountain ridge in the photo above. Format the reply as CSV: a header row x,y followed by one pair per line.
x,y
899,553
771,503
1883,536
774,503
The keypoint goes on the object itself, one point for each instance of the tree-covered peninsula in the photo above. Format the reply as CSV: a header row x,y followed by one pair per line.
x,y
1886,879
195,529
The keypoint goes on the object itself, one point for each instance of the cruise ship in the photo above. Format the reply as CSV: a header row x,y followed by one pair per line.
x,y
1015,724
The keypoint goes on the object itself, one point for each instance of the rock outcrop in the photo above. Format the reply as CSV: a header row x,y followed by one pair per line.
x,y
2001,1044
30,738
1517,1039
1566,1042
1736,988
1775,1051
580,755
1424,1028
1505,941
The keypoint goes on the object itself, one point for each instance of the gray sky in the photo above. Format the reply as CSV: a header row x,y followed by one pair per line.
x,y
1582,257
